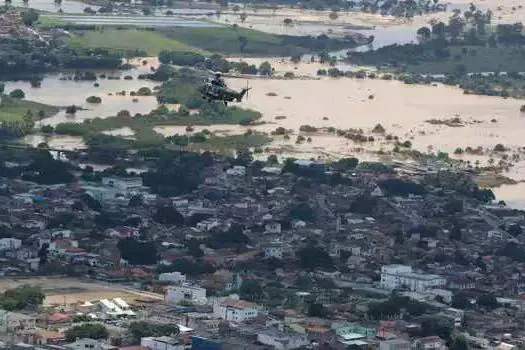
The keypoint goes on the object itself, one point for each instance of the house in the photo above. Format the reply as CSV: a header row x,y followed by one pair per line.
x,y
399,276
272,228
162,343
10,244
174,277
273,250
125,184
89,344
235,310
186,292
395,344
282,340
429,343
58,318
237,170
9,321
115,308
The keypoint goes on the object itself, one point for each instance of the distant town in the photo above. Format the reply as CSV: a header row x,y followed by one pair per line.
x,y
287,255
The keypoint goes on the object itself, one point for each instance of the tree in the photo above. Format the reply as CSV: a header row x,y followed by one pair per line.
x,y
288,21
333,15
168,216
515,229
236,8
265,68
439,326
87,330
136,201
302,211
316,310
142,329
90,202
243,17
487,301
251,290
43,254
137,253
29,17
243,42
23,297
424,33
459,343
17,93
146,11
460,301
345,164
47,129
313,257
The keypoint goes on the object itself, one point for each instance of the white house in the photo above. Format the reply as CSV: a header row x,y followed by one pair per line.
x,y
281,340
10,244
124,184
186,292
395,344
237,170
273,250
273,227
161,343
235,310
397,276
174,277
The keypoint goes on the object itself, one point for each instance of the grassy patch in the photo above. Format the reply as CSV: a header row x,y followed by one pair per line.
x,y
235,40
225,143
151,42
12,110
47,22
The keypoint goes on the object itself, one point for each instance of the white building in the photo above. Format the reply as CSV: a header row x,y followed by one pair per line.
x,y
237,170
235,310
273,227
161,343
273,250
124,184
395,344
397,276
10,244
174,277
115,308
186,292
281,340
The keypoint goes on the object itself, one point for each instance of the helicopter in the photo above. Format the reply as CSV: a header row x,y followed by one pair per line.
x,y
220,92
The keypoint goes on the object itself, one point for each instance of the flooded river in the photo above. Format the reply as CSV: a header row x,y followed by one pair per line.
x,y
55,91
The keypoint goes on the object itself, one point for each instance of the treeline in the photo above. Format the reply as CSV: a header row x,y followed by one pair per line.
x,y
214,63
24,57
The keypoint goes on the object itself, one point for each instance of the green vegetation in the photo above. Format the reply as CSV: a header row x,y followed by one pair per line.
x,y
48,22
236,40
142,329
87,330
24,297
14,109
151,42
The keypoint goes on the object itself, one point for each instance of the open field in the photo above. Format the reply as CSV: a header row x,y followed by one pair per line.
x,y
149,41
14,110
72,291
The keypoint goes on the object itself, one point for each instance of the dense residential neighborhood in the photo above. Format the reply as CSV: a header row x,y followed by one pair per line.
x,y
264,255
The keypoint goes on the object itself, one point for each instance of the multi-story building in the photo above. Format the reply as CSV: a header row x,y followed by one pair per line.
x,y
10,244
186,292
162,343
235,310
401,276
395,344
